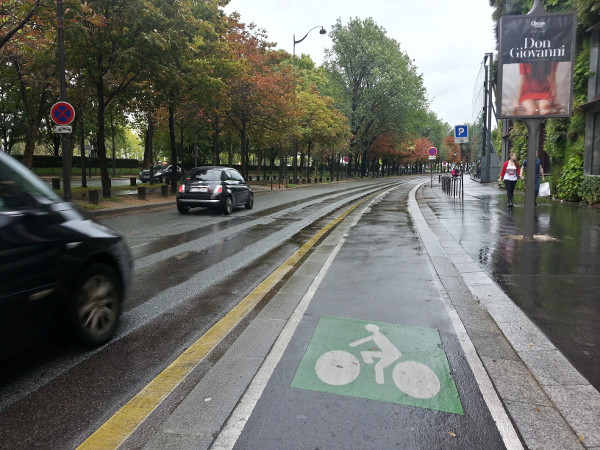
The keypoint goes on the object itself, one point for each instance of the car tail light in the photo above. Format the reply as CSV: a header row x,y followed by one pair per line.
x,y
182,188
218,189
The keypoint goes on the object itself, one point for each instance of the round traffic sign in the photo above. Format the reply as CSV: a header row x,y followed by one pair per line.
x,y
62,113
432,151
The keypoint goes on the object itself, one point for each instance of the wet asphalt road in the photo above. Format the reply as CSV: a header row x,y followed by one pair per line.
x,y
379,276
162,318
189,271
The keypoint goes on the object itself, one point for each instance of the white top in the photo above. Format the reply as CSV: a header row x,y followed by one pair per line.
x,y
511,173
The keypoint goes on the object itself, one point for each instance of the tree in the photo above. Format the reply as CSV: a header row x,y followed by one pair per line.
x,y
30,68
118,44
374,83
320,125
261,93
15,16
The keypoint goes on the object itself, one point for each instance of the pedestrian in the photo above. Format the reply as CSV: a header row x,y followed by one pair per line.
x,y
510,175
539,173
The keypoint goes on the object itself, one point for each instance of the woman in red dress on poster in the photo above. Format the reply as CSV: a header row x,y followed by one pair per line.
x,y
537,88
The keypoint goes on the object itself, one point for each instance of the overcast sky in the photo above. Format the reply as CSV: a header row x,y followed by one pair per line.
x,y
447,39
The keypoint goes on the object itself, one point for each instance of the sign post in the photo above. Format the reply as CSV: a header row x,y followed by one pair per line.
x,y
535,80
432,152
62,84
461,134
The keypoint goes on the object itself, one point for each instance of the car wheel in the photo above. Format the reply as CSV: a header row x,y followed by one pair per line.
x,y
250,203
95,306
228,207
183,209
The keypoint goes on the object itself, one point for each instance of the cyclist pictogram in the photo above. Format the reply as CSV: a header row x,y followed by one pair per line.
x,y
380,361
411,377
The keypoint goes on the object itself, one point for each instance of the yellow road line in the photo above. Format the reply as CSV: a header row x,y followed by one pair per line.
x,y
124,422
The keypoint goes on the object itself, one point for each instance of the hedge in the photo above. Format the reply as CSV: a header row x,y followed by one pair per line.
x,y
47,161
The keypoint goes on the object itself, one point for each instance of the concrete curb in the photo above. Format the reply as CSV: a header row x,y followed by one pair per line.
x,y
570,402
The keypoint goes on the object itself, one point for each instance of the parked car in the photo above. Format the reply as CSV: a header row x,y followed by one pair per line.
x,y
160,173
214,187
58,269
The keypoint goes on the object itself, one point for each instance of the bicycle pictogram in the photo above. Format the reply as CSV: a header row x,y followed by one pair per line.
x,y
340,367
381,361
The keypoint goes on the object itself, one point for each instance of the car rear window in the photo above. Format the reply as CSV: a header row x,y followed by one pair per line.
x,y
19,187
202,174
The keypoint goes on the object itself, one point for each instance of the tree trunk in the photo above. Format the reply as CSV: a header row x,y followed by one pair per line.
x,y
100,142
216,150
148,142
244,150
173,147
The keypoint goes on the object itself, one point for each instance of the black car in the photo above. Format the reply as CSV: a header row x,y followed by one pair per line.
x,y
160,173
57,268
214,187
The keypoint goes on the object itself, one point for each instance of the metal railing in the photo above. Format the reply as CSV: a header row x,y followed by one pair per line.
x,y
453,185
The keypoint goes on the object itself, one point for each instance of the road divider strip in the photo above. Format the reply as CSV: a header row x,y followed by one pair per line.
x,y
116,430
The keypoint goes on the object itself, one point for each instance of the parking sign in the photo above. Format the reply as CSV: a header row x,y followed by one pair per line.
x,y
461,134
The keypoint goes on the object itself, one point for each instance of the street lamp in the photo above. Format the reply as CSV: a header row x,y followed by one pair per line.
x,y
321,31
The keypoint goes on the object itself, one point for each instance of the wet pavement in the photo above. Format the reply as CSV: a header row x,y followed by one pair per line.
x,y
554,279
528,316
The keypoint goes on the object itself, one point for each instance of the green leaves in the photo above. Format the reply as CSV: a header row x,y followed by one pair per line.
x,y
378,87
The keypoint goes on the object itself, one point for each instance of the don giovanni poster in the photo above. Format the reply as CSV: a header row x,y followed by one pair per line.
x,y
536,65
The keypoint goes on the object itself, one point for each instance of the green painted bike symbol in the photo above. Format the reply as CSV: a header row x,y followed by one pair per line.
x,y
340,367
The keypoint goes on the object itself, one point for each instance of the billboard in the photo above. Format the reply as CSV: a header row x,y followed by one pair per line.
x,y
535,78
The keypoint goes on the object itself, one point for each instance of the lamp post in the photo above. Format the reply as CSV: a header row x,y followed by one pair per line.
x,y
321,31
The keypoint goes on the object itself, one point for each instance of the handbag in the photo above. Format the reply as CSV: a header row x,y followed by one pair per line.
x,y
544,189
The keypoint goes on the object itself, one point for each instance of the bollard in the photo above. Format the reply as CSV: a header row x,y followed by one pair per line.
x,y
56,183
164,190
141,192
132,181
94,196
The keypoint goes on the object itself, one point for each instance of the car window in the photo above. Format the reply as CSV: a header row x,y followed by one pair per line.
x,y
235,175
20,188
205,174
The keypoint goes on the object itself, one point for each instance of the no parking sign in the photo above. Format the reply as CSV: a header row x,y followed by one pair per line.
x,y
62,113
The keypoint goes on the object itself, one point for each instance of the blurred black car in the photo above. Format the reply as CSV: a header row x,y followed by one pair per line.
x,y
160,173
57,268
214,187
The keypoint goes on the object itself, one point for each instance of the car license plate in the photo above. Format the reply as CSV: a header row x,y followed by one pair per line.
x,y
198,189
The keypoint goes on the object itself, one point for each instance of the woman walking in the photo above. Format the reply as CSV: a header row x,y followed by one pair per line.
x,y
510,175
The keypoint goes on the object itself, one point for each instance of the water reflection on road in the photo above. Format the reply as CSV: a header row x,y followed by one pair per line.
x,y
556,282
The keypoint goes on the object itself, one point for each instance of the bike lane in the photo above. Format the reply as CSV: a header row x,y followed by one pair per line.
x,y
375,360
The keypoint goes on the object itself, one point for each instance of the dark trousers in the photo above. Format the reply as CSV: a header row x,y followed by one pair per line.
x,y
510,188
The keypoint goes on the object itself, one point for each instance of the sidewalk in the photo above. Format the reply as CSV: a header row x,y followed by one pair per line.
x,y
549,402
538,278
